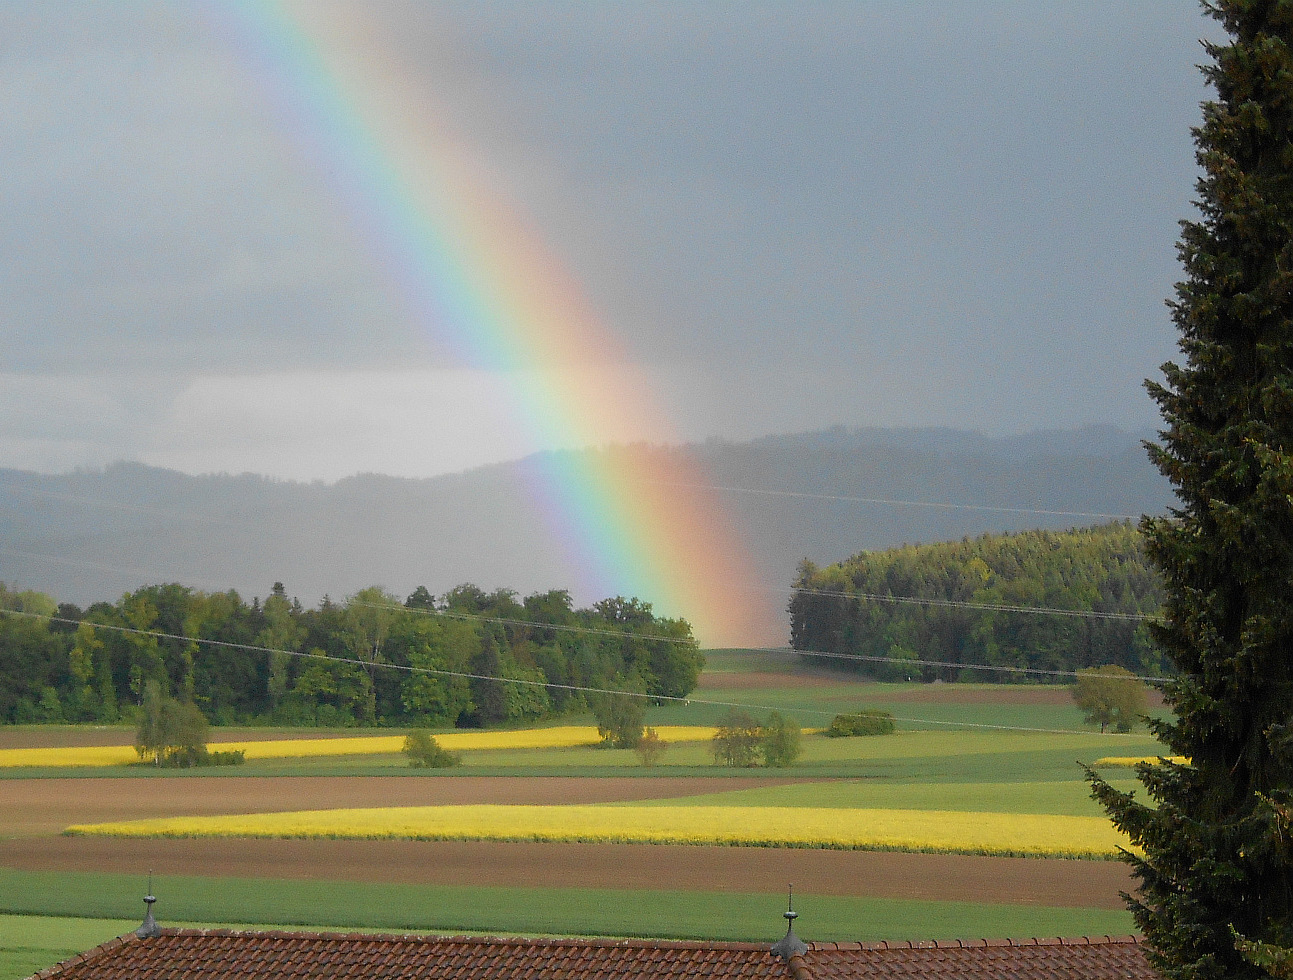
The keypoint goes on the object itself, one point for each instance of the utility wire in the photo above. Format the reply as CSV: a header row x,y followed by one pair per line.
x,y
84,563
894,502
253,648
753,491
966,604
454,614
863,596
625,634
114,505
791,650
950,663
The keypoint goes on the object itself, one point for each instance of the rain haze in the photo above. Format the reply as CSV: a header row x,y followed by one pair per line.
x,y
786,217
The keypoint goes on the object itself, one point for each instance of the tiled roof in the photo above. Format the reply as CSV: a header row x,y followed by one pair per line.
x,y
219,954
1102,958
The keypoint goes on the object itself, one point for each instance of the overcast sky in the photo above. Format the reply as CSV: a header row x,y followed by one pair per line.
x,y
792,215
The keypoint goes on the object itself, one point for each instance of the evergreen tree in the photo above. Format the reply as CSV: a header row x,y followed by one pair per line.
x,y
1215,894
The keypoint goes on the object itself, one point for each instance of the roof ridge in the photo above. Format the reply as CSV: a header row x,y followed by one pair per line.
x,y
627,941
883,944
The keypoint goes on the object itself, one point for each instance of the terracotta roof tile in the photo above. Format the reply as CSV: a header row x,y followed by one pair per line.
x,y
222,954
1031,959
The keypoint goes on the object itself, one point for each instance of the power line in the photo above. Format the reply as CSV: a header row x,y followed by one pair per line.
x,y
626,634
114,505
866,596
85,563
454,614
961,666
448,614
255,648
225,644
753,491
894,502
966,604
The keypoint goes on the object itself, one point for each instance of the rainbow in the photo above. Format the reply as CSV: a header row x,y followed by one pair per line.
x,y
640,521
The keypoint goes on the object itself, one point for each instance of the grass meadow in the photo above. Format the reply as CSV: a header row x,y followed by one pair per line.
x,y
55,915
990,754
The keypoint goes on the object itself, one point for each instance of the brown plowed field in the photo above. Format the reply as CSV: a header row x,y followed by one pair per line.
x,y
1027,694
31,807
1092,884
753,679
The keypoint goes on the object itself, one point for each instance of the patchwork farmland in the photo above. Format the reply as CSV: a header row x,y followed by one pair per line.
x,y
567,852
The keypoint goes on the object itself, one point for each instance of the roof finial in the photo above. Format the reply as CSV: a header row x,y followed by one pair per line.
x,y
790,944
149,927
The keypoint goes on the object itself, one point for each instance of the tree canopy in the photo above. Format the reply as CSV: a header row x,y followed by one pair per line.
x,y
1215,894
1110,695
370,660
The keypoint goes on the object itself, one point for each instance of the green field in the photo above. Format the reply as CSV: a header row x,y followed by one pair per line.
x,y
958,747
40,928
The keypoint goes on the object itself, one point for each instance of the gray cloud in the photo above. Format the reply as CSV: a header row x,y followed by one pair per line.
x,y
862,201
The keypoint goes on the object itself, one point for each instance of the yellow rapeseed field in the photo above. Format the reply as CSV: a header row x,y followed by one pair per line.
x,y
946,831
1127,761
87,755
564,736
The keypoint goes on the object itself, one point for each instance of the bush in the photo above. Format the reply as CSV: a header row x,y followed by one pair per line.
x,y
779,741
424,752
862,723
650,747
186,757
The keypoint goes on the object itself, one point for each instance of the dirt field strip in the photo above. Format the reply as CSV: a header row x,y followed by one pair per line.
x,y
1026,881
1050,695
46,806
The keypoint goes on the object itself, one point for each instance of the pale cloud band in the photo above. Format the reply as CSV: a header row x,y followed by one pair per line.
x,y
293,425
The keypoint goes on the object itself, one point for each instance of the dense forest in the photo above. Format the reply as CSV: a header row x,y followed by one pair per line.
x,y
1100,569
274,661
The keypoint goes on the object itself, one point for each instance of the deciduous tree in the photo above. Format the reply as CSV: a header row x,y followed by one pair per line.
x,y
736,740
650,747
619,717
1110,695
168,729
779,741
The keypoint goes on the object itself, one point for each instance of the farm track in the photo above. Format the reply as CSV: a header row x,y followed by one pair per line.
x,y
32,807
1027,881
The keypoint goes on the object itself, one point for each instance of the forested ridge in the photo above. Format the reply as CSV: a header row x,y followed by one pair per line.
x,y
1100,569
81,536
58,663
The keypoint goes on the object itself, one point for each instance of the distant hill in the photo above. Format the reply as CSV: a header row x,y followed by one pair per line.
x,y
93,535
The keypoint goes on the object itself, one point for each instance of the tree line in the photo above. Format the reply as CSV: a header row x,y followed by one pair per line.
x,y
333,665
1099,569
